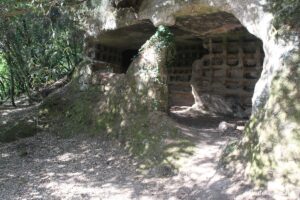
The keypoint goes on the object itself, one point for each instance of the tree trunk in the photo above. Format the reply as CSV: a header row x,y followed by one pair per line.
x,y
12,87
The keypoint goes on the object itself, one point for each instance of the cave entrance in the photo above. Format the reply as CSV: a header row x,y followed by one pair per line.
x,y
216,56
115,49
222,77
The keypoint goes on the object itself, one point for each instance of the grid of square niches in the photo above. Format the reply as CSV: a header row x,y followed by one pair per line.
x,y
187,54
181,70
231,68
107,54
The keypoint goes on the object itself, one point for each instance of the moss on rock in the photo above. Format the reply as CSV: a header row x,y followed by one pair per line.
x,y
130,108
270,148
16,130
21,124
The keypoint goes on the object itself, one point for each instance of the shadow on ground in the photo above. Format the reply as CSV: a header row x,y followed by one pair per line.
x,y
50,167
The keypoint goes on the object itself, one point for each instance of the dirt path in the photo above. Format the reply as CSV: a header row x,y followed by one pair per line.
x,y
48,167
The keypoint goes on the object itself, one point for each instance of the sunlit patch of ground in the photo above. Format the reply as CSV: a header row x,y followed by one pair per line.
x,y
8,112
48,167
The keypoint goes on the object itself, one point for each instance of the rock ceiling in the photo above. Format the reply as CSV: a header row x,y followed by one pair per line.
x,y
190,29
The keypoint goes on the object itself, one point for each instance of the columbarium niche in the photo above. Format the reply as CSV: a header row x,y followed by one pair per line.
x,y
180,73
106,58
230,69
220,68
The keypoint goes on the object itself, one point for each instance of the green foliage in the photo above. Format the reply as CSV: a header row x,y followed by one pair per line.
x,y
168,40
287,12
270,145
163,39
3,78
40,42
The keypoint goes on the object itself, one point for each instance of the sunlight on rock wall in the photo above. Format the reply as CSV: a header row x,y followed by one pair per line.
x,y
130,108
271,144
272,135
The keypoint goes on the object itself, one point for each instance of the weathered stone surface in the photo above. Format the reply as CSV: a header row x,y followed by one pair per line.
x,y
227,128
256,20
209,24
225,69
272,136
126,3
214,104
268,121
130,108
137,34
21,124
162,12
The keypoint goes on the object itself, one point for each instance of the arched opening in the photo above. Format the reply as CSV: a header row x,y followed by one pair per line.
x,y
114,50
221,78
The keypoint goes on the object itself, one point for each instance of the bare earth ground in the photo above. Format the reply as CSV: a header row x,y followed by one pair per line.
x,y
48,167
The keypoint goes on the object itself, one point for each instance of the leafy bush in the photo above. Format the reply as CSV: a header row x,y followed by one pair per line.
x,y
287,12
3,78
40,43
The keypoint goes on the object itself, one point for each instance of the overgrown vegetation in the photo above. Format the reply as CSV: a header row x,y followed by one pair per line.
x,y
167,39
40,43
287,12
3,79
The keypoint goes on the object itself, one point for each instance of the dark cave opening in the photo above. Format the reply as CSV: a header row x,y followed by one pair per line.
x,y
127,57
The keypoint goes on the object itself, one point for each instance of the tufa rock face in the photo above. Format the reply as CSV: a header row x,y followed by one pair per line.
x,y
272,136
214,104
176,12
19,125
257,22
125,3
227,128
130,108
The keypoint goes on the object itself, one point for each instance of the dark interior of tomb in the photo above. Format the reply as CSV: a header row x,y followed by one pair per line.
x,y
127,57
229,58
